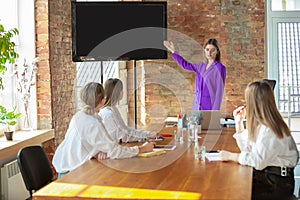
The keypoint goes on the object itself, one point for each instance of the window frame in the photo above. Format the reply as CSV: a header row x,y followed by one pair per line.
x,y
23,18
273,18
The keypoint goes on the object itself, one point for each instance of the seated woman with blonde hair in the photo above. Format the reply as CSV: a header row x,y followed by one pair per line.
x,y
87,137
266,145
112,118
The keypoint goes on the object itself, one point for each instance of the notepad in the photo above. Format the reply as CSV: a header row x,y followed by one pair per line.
x,y
164,147
213,156
155,152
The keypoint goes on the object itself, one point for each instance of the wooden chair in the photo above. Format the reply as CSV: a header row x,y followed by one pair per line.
x,y
272,83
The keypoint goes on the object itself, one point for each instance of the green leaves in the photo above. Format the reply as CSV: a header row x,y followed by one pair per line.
x,y
7,50
9,117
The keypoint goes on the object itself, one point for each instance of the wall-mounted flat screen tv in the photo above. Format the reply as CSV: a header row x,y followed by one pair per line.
x,y
104,31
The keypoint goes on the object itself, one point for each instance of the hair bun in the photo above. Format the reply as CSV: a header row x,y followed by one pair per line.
x,y
88,109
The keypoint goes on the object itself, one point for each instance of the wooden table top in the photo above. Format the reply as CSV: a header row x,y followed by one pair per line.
x,y
176,171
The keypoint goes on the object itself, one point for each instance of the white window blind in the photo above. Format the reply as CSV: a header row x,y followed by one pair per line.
x,y
289,66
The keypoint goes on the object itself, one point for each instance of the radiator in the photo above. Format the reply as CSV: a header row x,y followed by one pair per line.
x,y
12,184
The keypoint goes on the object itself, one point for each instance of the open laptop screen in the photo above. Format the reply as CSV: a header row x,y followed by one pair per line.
x,y
211,119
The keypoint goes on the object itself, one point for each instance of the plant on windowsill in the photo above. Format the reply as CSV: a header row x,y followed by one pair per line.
x,y
9,119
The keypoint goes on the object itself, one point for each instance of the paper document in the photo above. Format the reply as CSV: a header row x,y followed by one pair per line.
x,y
171,119
213,156
164,147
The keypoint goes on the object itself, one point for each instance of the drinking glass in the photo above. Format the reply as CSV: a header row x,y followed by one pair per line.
x,y
202,152
195,132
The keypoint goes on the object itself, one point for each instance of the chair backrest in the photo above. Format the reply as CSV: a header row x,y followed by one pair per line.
x,y
271,82
35,167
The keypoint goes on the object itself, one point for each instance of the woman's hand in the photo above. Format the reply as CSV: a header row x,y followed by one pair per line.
x,y
101,156
146,147
239,115
226,156
170,46
154,136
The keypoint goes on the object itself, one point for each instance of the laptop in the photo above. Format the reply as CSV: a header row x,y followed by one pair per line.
x,y
211,120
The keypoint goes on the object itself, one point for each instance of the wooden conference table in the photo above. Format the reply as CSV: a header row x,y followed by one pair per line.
x,y
175,174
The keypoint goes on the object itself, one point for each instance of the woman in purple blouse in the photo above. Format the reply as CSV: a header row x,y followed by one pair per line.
x,y
210,76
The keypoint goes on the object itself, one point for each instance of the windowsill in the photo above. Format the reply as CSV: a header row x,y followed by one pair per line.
x,y
22,139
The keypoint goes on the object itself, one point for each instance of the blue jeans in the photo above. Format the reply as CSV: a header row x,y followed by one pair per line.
x,y
61,174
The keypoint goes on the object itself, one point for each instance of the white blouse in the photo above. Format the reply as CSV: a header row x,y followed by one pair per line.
x,y
85,137
117,128
267,150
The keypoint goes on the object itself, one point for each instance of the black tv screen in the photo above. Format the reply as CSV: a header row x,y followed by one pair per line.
x,y
104,31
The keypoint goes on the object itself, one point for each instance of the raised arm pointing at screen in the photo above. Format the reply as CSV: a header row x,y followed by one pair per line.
x,y
210,76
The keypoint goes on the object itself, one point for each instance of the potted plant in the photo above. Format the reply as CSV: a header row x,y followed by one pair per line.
x,y
9,119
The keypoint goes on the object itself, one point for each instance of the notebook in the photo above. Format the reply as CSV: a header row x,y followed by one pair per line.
x,y
211,120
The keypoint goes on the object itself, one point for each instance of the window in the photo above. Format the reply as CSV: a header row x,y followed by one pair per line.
x,y
285,5
19,14
93,72
283,53
9,19
289,66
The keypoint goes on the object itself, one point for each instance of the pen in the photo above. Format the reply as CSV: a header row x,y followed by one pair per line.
x,y
241,109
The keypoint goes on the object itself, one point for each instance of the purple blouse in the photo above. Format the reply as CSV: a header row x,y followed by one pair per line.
x,y
209,84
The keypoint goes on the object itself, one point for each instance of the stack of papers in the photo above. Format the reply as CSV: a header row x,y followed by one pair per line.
x,y
171,121
213,156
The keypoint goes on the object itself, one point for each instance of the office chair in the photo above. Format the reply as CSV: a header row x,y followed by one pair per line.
x,y
34,167
271,82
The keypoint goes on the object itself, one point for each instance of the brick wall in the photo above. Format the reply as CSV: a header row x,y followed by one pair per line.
x,y
63,70
239,28
56,71
43,74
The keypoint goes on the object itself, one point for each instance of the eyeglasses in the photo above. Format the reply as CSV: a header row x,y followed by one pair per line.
x,y
211,50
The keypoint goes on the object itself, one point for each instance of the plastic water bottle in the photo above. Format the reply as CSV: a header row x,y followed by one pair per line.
x,y
180,121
